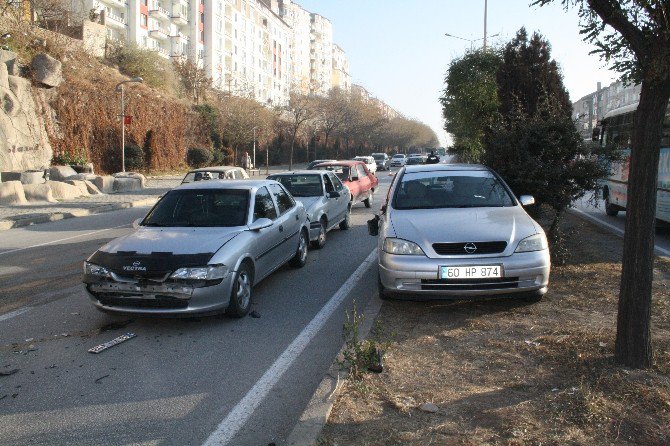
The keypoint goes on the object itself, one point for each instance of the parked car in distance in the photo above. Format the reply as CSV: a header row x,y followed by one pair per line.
x,y
356,177
415,159
311,165
382,160
457,230
215,173
369,162
200,249
398,160
325,198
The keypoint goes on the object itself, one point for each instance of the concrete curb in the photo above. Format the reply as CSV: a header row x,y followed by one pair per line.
x,y
55,216
306,432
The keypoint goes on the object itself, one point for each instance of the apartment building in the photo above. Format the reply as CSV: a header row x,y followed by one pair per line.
x,y
257,48
593,107
364,95
321,55
163,26
341,76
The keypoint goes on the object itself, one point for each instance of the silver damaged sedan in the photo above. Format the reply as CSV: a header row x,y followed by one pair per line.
x,y
325,198
450,230
200,250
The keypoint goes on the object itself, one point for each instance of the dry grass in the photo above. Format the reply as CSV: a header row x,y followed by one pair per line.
x,y
513,373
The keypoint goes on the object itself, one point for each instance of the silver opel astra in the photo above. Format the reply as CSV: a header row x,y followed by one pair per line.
x,y
200,250
450,230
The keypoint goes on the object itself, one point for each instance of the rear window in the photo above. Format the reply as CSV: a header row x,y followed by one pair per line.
x,y
301,185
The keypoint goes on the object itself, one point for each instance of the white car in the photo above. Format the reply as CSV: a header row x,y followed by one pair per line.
x,y
369,162
398,160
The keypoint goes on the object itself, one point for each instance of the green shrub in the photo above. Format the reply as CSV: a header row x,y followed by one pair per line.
x,y
199,157
134,157
217,157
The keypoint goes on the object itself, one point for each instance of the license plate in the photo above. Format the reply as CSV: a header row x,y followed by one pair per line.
x,y
471,272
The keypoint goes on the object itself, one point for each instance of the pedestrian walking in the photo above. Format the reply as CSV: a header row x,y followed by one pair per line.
x,y
246,161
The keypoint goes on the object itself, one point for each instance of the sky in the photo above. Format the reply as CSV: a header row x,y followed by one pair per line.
x,y
398,51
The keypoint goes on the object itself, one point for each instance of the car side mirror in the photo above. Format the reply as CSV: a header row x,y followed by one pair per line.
x,y
373,226
334,194
259,224
354,178
136,223
527,200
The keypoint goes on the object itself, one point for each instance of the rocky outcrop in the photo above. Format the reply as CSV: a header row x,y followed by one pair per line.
x,y
24,144
11,192
64,191
39,192
104,183
61,173
47,70
8,58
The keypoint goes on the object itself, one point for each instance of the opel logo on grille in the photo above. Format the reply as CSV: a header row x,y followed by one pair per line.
x,y
136,264
470,248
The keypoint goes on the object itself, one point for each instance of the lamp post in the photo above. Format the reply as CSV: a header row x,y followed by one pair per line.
x,y
472,41
119,88
486,4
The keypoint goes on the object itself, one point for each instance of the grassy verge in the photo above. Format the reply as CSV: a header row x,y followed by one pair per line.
x,y
512,373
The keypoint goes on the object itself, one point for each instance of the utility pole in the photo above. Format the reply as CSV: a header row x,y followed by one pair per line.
x,y
486,4
119,88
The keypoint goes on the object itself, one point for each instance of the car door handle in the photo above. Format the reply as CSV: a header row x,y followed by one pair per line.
x,y
297,218
281,228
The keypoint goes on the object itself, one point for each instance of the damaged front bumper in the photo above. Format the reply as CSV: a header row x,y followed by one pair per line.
x,y
122,295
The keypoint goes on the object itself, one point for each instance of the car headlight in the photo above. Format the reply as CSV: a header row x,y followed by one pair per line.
x,y
536,242
211,272
401,247
96,270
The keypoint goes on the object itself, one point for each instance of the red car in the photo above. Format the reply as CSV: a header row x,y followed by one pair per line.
x,y
356,176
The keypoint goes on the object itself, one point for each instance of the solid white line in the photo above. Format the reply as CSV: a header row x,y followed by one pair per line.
x,y
618,231
11,314
62,239
232,424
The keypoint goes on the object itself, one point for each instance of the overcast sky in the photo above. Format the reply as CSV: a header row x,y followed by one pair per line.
x,y
398,51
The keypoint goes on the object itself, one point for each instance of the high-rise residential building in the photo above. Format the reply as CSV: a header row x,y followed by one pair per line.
x,y
321,55
257,48
341,76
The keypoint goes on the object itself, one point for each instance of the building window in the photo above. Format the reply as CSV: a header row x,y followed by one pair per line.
x,y
143,20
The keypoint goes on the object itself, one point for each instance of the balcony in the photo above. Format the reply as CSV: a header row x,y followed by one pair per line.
x,y
158,12
115,20
159,33
117,3
180,37
179,18
162,51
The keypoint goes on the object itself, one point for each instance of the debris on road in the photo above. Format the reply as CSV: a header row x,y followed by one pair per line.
x,y
8,372
97,381
254,314
428,408
102,347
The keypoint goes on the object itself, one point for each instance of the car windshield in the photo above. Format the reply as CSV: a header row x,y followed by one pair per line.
x,y
200,208
202,175
398,156
301,185
451,189
379,156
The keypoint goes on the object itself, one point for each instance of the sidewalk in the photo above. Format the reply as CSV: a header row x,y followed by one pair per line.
x,y
34,213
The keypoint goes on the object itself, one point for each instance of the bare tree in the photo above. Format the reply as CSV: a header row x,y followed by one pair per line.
x,y
193,78
297,112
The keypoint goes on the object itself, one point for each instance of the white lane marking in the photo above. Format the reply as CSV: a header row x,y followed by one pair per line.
x,y
62,239
11,314
618,231
232,424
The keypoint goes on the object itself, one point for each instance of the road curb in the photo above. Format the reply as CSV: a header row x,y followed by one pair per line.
x,y
308,428
55,216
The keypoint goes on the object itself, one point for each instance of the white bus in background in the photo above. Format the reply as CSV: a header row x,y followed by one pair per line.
x,y
616,128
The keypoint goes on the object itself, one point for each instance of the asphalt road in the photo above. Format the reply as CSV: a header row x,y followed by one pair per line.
x,y
179,380
595,212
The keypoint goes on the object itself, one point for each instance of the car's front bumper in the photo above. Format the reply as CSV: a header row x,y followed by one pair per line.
x,y
160,299
419,275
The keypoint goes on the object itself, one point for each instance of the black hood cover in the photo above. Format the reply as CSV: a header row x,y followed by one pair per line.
x,y
130,263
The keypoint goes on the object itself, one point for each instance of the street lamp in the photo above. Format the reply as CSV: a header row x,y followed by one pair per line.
x,y
472,41
119,88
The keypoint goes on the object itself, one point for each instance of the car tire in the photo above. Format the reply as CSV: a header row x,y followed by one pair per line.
x,y
321,241
383,292
240,295
368,201
611,209
346,223
300,258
